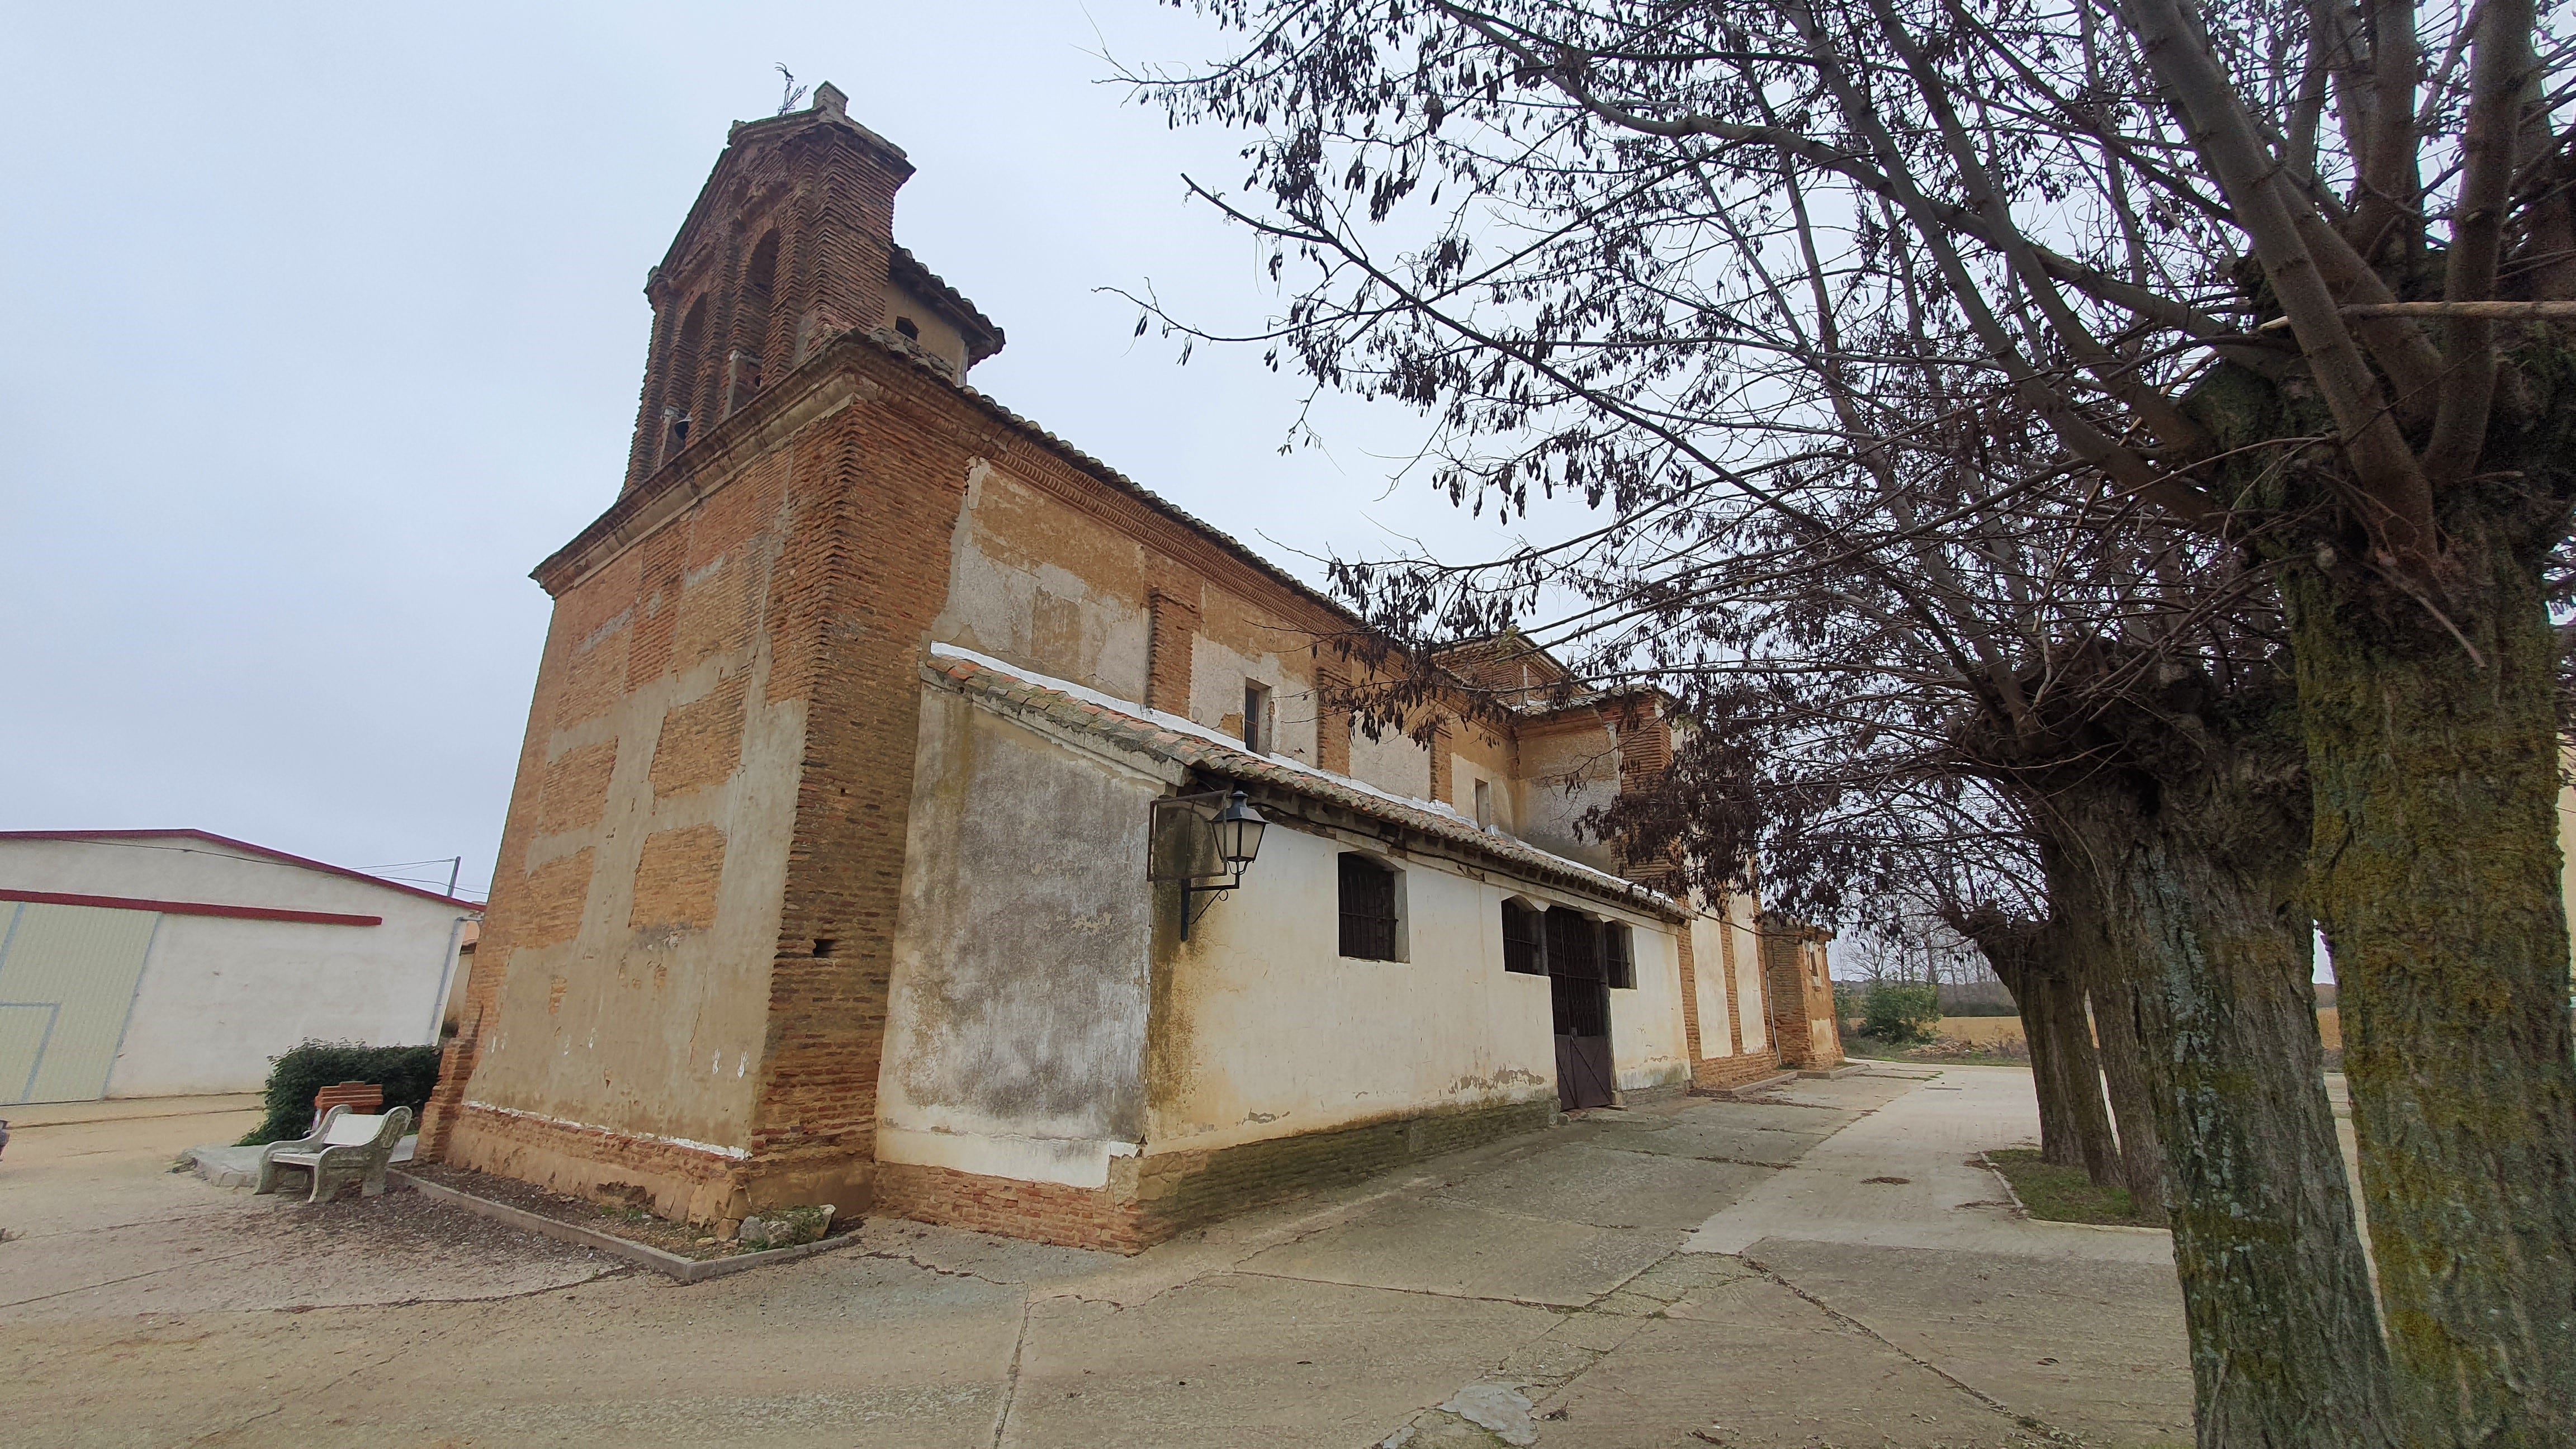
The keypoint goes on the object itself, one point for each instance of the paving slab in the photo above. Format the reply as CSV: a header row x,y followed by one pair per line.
x,y
1905,1176
1721,1140
1238,1359
2092,1347
1757,1367
1610,1187
1465,1250
1543,1270
1862,1091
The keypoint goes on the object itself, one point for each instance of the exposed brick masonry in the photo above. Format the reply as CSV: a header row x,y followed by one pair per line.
x,y
1150,1199
1174,622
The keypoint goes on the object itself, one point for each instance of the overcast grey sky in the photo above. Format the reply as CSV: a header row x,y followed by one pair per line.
x,y
324,324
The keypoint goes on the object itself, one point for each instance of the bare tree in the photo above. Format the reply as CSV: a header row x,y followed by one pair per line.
x,y
2289,279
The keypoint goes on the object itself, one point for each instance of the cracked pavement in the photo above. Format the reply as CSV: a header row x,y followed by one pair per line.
x,y
1688,1273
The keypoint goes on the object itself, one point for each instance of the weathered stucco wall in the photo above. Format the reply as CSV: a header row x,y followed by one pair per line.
x,y
939,337
630,947
1039,584
1647,1047
1567,773
1263,1029
1392,762
1752,1012
1464,773
1236,643
1708,984
1015,1035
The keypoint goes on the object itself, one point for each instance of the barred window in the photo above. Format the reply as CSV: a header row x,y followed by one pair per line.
x,y
1521,949
1618,956
1368,909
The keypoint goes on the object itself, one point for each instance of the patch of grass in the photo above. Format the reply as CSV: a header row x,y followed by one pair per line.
x,y
2064,1194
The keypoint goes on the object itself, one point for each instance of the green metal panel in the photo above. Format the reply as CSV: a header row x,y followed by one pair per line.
x,y
67,979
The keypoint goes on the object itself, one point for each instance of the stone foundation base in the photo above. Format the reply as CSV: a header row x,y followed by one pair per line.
x,y
683,1183
686,1184
1152,1198
1720,1074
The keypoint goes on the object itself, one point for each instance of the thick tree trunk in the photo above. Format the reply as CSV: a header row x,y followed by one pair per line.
x,y
2092,946
2079,1071
2285,1339
2437,876
2035,963
2124,1071
2057,1131
2196,847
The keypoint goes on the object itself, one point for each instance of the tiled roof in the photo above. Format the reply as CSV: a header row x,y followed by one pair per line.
x,y
907,269
1156,735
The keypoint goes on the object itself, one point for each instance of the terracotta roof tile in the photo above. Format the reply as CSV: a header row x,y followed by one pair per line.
x,y
1132,731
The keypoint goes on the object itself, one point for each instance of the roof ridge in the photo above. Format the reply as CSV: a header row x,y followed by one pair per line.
x,y
267,852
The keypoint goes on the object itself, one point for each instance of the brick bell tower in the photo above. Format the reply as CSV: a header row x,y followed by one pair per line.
x,y
791,242
680,996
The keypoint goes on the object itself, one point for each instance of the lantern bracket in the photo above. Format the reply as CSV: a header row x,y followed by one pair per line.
x,y
1195,849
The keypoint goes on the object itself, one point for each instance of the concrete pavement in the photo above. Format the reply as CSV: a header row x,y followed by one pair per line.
x,y
1533,1291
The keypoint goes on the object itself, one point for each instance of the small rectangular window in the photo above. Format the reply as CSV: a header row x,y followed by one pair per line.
x,y
1484,804
1619,956
1368,909
1521,949
1256,717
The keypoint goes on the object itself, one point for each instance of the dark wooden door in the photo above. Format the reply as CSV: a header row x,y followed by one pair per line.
x,y
1579,996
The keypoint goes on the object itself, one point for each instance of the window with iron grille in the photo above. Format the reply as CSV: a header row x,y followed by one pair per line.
x,y
1574,974
1618,956
1368,909
1521,949
1573,944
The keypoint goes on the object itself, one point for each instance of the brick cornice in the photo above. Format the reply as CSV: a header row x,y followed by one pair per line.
x,y
700,470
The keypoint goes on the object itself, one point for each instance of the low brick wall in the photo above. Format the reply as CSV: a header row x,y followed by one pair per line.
x,y
1150,1199
1177,1191
1043,1212
681,1183
1718,1074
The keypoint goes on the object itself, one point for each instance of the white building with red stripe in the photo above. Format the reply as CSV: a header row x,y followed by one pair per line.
x,y
149,963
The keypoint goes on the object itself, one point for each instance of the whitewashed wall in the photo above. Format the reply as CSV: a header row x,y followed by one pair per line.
x,y
1756,1025
219,997
1271,1031
1708,982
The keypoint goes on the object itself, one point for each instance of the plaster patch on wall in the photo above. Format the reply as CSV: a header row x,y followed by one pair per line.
x,y
1018,1000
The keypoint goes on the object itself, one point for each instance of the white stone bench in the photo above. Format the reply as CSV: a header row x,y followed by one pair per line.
x,y
345,1145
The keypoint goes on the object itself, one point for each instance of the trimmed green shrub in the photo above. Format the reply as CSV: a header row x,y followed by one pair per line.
x,y
1900,1015
407,1073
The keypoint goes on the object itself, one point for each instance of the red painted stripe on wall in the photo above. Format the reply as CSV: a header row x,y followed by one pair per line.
x,y
188,908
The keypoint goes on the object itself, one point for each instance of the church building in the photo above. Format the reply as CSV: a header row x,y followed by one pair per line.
x,y
916,815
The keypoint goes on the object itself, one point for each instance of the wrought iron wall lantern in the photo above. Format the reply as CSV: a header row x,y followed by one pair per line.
x,y
1204,846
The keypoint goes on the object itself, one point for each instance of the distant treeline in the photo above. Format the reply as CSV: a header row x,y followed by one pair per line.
x,y
1975,998
1987,998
